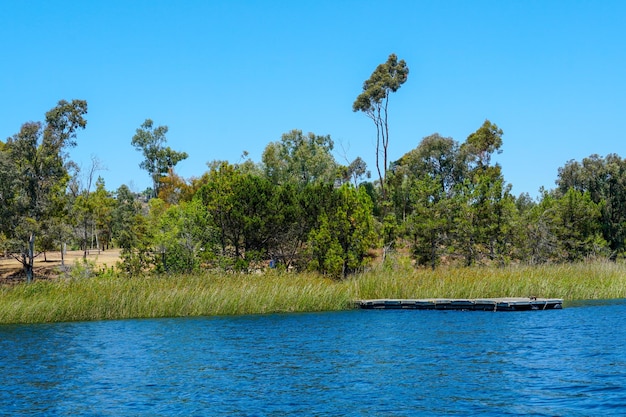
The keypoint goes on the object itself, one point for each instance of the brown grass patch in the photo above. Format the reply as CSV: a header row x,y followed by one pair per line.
x,y
49,266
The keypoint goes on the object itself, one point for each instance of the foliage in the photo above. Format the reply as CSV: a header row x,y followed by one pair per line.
x,y
605,181
300,159
452,202
131,232
38,158
445,203
339,244
374,102
182,237
238,207
159,159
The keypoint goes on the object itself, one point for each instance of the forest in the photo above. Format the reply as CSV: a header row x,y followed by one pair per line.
x,y
443,203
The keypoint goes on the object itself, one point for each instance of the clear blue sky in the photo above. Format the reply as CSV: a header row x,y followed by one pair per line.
x,y
228,76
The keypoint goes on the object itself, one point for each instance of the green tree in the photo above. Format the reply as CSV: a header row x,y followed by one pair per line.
x,y
238,204
485,206
124,215
159,159
430,222
356,171
104,204
345,233
39,154
482,144
289,223
84,208
374,102
605,181
131,232
539,242
7,196
182,236
300,159
424,186
564,228
436,159
577,226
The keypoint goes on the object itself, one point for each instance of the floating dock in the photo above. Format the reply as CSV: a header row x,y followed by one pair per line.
x,y
483,304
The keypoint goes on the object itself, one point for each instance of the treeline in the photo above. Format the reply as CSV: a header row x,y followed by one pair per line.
x,y
443,202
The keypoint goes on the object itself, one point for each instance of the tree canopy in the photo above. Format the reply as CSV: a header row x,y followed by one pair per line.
x,y
37,157
159,160
443,202
374,102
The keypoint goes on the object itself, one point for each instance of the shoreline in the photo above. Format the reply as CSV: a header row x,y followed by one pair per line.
x,y
110,295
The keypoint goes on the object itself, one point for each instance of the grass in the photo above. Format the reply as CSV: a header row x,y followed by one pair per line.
x,y
582,281
117,297
111,296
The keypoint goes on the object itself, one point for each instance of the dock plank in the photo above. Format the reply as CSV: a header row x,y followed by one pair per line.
x,y
484,304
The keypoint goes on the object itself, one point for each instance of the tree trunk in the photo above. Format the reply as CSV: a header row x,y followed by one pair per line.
x,y
29,263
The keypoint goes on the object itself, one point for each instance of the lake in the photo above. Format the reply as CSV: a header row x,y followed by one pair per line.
x,y
357,363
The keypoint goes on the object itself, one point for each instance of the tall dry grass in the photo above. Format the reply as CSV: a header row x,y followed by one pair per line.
x,y
599,280
117,297
111,296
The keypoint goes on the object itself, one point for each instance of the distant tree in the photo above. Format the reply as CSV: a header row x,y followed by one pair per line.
x,y
290,223
482,144
605,181
374,101
430,222
356,171
435,159
124,218
564,228
84,208
38,153
238,206
7,203
174,188
131,232
483,198
104,203
578,227
301,159
158,158
345,232
492,212
537,243
182,236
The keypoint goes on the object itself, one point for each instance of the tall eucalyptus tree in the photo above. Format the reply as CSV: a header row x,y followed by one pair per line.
x,y
374,102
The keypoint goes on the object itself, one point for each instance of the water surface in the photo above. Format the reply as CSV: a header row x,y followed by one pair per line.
x,y
377,363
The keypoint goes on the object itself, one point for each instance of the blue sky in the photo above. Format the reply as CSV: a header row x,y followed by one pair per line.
x,y
233,76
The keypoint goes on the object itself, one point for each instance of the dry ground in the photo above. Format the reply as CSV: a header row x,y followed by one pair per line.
x,y
11,271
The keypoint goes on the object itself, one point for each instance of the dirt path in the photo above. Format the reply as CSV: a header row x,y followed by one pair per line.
x,y
11,271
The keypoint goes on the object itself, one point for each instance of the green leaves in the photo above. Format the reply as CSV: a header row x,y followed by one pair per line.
x,y
63,121
386,78
159,159
37,155
605,181
300,159
345,232
481,144
181,236
373,101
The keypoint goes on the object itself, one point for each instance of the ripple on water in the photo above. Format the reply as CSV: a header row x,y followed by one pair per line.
x,y
559,363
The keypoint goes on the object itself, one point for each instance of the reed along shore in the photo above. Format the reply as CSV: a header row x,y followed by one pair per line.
x,y
111,295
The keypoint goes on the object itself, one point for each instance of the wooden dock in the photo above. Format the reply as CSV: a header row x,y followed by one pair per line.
x,y
483,304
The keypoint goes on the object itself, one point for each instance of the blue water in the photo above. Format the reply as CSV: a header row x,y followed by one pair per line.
x,y
569,362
